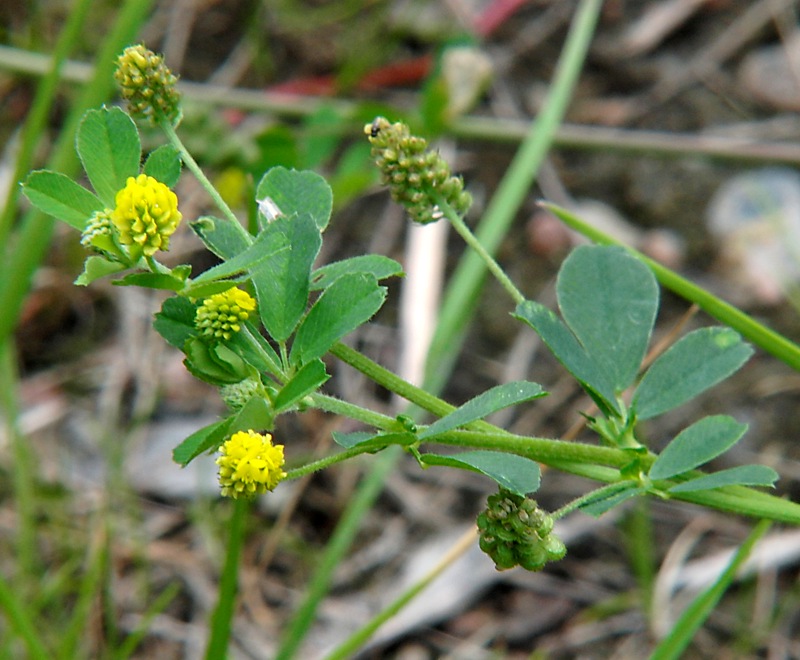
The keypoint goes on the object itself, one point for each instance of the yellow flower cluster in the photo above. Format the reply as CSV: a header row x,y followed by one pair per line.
x,y
146,214
221,315
249,464
147,85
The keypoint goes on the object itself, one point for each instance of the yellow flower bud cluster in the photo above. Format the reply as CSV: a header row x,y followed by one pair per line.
x,y
413,172
221,315
249,464
514,531
146,214
147,85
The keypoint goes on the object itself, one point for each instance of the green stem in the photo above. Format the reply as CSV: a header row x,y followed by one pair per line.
x,y
322,463
192,165
469,238
223,614
542,450
391,381
338,407
769,340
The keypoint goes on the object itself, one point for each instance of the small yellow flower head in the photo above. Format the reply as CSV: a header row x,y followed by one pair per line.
x,y
249,464
413,172
221,315
147,85
99,224
146,214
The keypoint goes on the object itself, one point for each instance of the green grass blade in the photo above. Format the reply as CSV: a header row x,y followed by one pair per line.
x,y
674,644
33,238
21,622
226,595
40,109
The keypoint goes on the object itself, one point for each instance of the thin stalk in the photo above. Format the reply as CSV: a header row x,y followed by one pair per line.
x,y
338,407
462,293
323,463
762,336
191,164
226,597
469,238
391,381
30,243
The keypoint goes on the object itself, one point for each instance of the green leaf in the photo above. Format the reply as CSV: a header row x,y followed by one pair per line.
x,y
608,498
96,267
696,362
215,364
372,441
697,444
220,236
297,193
59,196
492,400
205,439
568,350
206,289
254,415
164,164
303,383
515,473
175,321
743,475
343,306
609,300
281,282
349,440
378,265
256,356
109,148
163,281
266,247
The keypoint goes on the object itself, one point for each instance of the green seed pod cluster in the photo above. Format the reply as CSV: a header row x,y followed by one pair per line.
x,y
514,531
413,172
147,85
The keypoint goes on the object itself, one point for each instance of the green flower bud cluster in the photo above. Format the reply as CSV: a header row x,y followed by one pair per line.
x,y
99,224
147,85
514,531
413,172
236,395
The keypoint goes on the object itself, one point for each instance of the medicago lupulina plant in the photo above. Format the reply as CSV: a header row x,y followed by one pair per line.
x,y
259,324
